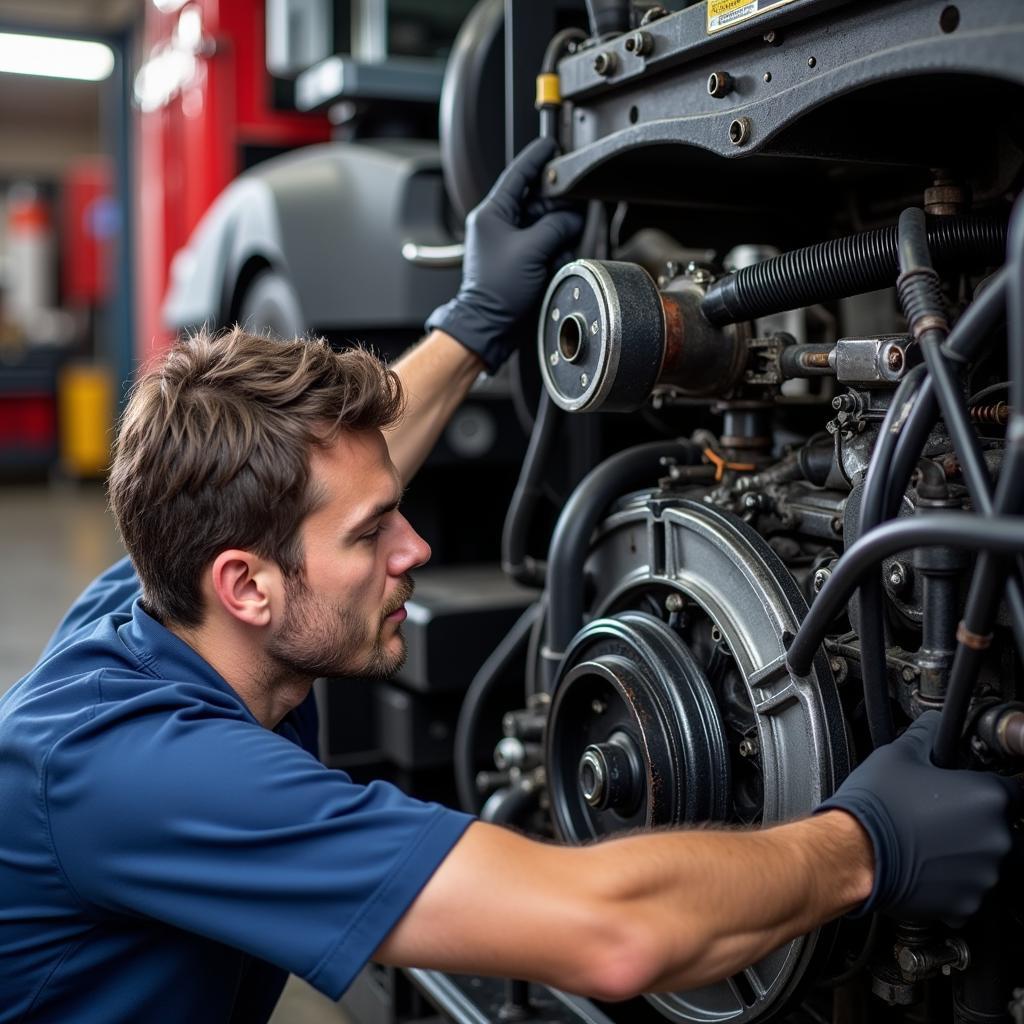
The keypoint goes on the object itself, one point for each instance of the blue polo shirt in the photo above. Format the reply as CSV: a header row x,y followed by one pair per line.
x,y
164,857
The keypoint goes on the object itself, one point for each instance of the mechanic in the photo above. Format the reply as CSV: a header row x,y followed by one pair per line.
x,y
170,846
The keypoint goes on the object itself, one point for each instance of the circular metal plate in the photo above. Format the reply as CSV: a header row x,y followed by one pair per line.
x,y
733,587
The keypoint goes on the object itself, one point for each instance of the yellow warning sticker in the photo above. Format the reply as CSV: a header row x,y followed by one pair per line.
x,y
726,13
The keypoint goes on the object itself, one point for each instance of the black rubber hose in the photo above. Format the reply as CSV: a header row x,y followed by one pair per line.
x,y
529,488
553,52
990,573
966,341
871,595
624,472
1000,534
510,805
514,558
464,745
607,16
920,293
845,266
979,615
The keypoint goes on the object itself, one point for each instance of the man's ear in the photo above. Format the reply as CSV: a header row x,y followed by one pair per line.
x,y
243,585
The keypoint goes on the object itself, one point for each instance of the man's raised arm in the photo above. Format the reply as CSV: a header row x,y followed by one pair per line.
x,y
512,243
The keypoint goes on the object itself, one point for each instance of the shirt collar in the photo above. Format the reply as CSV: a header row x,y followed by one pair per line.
x,y
166,656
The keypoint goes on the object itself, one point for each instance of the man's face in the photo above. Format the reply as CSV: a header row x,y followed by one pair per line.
x,y
345,617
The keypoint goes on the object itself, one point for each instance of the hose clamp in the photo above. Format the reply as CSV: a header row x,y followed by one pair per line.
x,y
975,641
929,322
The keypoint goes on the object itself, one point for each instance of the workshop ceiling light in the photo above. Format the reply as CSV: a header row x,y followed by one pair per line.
x,y
54,57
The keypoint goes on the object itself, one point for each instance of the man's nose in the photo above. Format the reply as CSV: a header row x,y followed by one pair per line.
x,y
411,551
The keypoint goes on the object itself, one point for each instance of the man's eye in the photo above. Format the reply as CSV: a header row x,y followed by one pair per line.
x,y
372,535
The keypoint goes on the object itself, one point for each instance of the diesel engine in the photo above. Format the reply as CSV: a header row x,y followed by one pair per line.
x,y
772,499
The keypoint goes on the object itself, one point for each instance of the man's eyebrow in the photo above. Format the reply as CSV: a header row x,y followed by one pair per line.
x,y
374,514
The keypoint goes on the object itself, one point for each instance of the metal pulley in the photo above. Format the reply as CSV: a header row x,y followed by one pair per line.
x,y
634,738
608,338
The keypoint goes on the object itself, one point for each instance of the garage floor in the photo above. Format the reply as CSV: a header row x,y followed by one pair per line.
x,y
53,540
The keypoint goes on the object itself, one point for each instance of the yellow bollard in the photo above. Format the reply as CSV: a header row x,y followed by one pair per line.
x,y
85,396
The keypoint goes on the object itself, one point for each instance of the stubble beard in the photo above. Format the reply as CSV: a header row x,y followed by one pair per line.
x,y
319,638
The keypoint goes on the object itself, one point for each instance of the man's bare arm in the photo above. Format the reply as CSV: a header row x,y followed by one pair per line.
x,y
436,374
655,912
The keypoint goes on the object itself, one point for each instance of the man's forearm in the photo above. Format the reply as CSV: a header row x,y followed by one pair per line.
x,y
652,912
436,374
718,901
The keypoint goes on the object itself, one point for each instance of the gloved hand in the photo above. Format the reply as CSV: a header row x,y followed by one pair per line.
x,y
508,261
939,834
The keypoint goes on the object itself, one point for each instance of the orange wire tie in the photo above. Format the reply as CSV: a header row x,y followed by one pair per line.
x,y
721,464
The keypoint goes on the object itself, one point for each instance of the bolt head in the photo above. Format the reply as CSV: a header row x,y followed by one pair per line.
x,y
820,579
553,358
584,380
673,603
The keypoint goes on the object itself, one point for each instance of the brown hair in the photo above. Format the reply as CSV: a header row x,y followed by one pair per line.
x,y
213,453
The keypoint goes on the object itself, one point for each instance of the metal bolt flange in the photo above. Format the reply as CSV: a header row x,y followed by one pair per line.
x,y
639,43
739,131
720,83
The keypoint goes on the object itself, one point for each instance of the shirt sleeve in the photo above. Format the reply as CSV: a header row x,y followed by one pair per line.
x,y
113,591
225,829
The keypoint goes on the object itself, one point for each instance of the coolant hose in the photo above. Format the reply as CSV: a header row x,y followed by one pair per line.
x,y
845,266
515,532
548,92
965,343
487,676
624,472
999,534
974,632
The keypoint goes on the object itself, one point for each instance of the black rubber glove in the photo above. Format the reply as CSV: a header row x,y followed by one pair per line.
x,y
939,834
511,245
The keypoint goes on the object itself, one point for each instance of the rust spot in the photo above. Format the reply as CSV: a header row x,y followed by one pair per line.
x,y
674,336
